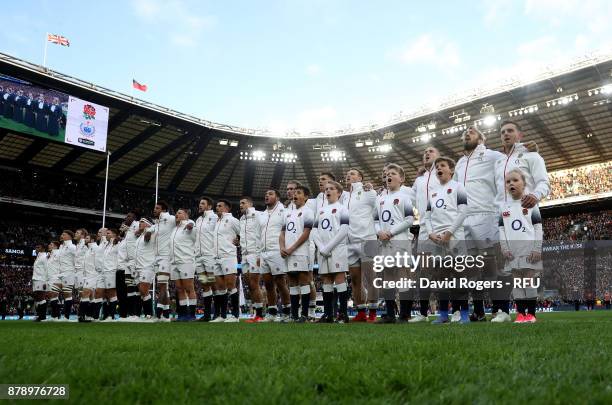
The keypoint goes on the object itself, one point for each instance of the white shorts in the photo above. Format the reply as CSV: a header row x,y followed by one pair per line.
x,y
225,266
38,285
249,264
297,263
205,264
67,280
481,230
183,271
90,282
161,265
272,262
78,280
145,275
356,253
336,263
107,280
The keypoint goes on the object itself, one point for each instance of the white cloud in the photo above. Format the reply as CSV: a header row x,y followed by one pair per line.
x,y
185,26
496,11
313,69
429,50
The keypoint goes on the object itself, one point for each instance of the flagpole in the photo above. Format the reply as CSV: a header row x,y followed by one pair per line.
x,y
45,55
105,189
157,166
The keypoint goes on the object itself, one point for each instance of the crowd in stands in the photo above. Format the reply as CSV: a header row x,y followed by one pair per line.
x,y
585,180
577,227
62,189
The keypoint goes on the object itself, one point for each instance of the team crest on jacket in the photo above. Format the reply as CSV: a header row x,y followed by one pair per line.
x,y
434,194
450,190
506,213
320,212
334,211
525,211
396,201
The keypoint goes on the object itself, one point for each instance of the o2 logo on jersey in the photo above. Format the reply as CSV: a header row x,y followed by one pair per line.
x,y
517,225
291,227
386,217
440,203
326,224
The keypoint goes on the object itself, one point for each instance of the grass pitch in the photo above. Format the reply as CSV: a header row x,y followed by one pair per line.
x,y
564,358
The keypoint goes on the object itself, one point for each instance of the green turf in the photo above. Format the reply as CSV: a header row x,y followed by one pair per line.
x,y
565,358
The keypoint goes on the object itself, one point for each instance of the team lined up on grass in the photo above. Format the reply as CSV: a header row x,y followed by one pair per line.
x,y
472,206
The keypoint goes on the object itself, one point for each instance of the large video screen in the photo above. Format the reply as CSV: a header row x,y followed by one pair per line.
x,y
50,114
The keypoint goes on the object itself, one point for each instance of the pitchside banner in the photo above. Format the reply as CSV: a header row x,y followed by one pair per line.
x,y
87,124
50,114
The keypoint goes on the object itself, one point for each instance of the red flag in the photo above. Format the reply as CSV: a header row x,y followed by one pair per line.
x,y
138,86
58,39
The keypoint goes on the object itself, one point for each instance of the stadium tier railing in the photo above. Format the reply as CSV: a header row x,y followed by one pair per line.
x,y
59,207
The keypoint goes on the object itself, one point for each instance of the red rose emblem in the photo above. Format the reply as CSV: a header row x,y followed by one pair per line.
x,y
334,211
396,201
506,214
525,211
450,190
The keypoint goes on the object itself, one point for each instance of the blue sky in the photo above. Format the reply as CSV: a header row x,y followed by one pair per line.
x,y
312,64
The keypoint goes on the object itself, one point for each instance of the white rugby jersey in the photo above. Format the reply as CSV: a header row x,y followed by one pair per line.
x,y
226,230
130,239
332,224
422,187
99,253
182,243
53,265
250,232
321,200
79,256
145,253
205,227
476,172
89,262
122,255
532,165
66,252
271,222
395,214
110,257
39,272
520,232
161,231
295,222
446,209
361,206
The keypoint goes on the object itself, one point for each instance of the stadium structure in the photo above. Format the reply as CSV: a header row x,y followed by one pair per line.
x,y
566,111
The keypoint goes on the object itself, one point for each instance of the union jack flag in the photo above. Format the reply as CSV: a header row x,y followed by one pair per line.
x,y
58,39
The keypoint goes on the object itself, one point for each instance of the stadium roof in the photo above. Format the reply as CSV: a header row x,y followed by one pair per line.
x,y
568,112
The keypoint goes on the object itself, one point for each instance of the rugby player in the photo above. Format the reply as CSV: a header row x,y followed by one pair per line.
x,y
205,260
182,264
160,232
294,249
250,237
227,229
332,224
